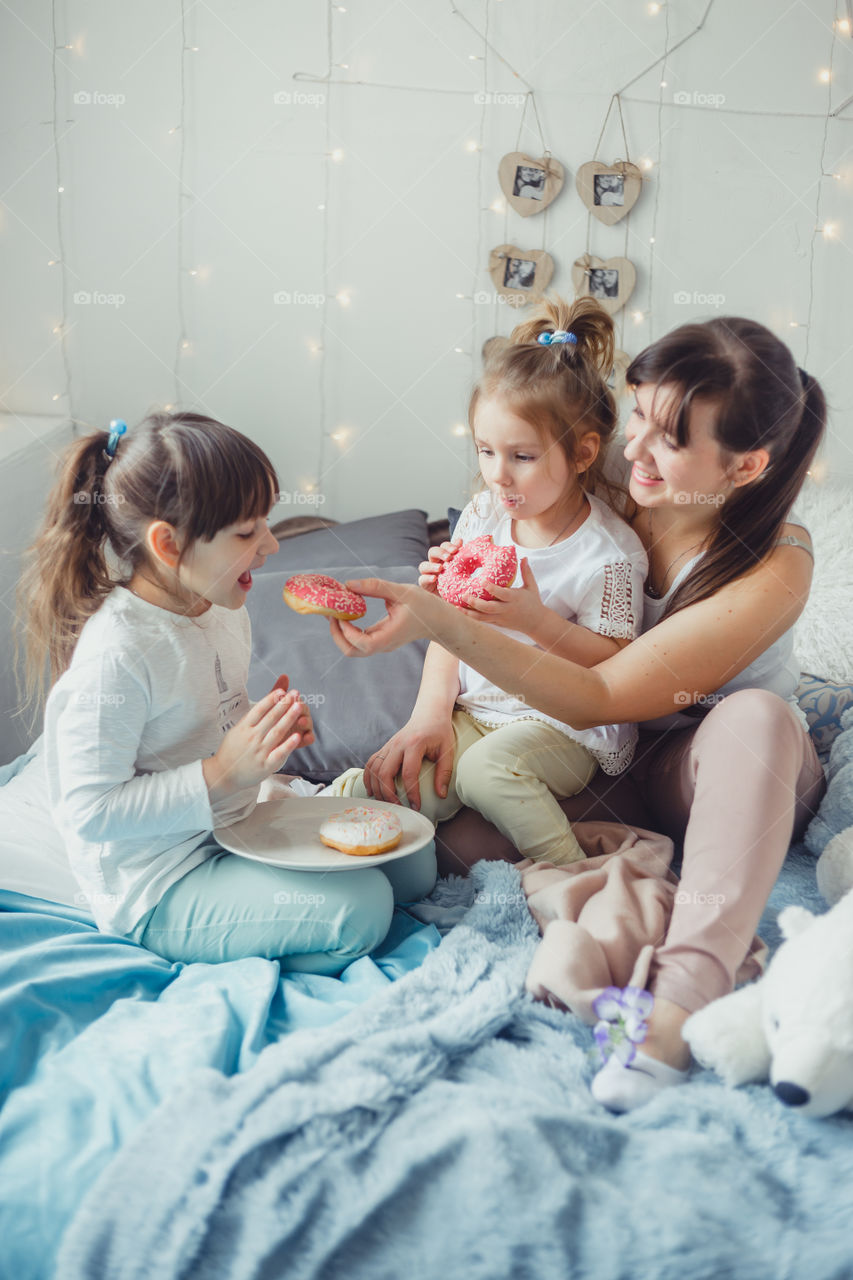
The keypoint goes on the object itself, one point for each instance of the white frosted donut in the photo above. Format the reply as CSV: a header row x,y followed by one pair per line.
x,y
362,831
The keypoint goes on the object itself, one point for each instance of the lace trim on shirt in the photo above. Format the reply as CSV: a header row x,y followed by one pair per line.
x,y
618,618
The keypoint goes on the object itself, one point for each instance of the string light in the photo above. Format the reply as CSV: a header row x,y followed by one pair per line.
x,y
459,429
471,145
343,297
337,155
829,230
843,25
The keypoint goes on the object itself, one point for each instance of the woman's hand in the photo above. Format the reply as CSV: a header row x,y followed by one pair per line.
x,y
438,556
259,744
404,753
407,618
518,608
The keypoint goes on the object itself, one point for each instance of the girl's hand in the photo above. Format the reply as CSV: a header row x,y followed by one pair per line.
x,y
407,618
438,557
259,744
518,608
404,753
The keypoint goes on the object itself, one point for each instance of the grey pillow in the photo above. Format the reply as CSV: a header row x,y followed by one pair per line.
x,y
400,537
356,703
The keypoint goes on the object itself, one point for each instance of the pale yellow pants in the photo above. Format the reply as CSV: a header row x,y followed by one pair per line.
x,y
512,775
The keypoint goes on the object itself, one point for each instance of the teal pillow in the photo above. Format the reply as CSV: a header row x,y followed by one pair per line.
x,y
823,702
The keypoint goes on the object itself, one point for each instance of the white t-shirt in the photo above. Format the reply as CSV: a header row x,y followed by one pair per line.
x,y
148,696
594,578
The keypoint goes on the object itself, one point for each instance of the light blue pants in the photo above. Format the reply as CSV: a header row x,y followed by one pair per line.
x,y
229,907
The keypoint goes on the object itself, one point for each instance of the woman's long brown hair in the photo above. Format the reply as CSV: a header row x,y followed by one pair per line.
x,y
761,401
191,471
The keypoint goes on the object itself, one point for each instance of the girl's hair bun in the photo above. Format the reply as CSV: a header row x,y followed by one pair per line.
x,y
591,325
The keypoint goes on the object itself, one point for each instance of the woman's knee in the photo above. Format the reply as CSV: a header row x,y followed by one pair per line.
x,y
413,877
753,717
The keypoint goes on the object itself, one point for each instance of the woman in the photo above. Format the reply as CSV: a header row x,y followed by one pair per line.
x,y
722,434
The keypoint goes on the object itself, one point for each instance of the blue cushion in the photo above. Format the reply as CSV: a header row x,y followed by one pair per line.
x,y
823,702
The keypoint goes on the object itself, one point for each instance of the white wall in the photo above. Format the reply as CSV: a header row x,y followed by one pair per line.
x,y
731,200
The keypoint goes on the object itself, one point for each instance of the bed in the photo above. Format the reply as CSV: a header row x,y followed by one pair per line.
x,y
418,1116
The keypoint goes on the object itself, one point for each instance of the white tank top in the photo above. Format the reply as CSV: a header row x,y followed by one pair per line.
x,y
776,669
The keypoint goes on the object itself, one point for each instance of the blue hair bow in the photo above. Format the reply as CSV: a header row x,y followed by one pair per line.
x,y
117,429
559,335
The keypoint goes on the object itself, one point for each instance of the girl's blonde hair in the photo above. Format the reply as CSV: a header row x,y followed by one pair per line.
x,y
559,389
191,471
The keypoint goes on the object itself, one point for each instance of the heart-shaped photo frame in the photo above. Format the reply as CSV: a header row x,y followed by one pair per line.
x,y
520,275
610,281
609,191
530,185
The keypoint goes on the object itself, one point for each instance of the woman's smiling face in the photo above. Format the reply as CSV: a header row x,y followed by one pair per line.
x,y
666,473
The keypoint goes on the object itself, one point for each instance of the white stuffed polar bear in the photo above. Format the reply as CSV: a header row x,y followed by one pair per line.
x,y
794,1025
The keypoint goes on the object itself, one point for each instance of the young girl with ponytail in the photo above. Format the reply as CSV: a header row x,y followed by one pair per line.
x,y
723,431
541,418
134,605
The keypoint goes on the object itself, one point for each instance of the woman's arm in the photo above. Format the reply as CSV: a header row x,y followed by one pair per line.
x,y
680,660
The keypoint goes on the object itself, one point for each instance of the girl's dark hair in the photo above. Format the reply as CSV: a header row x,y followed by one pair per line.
x,y
559,389
191,471
761,401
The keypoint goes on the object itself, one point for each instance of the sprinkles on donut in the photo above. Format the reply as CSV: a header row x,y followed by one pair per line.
x,y
317,593
475,564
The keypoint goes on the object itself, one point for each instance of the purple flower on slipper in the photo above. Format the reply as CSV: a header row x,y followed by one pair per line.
x,y
621,1026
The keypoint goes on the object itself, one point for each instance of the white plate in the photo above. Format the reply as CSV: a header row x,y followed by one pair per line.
x,y
283,832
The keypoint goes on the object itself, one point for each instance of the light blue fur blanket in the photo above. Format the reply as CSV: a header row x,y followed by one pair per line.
x,y
445,1129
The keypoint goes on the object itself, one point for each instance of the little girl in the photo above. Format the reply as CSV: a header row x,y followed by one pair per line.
x,y
135,597
541,418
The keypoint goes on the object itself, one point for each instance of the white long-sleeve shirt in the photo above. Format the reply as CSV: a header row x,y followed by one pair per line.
x,y
148,696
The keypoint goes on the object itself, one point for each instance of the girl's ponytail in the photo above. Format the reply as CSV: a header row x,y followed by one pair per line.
x,y
591,325
65,577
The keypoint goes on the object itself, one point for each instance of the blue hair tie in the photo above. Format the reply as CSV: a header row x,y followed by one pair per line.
x,y
559,335
117,429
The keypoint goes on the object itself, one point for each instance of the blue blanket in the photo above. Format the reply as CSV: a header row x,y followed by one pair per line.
x,y
445,1129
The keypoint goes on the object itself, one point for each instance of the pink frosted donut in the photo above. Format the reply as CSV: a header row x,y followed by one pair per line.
x,y
476,563
316,593
362,831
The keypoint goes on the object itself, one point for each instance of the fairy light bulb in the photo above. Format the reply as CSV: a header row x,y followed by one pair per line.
x,y
655,9
337,155
498,205
343,297
829,230
824,76
459,429
340,436
638,317
471,145
843,25
646,163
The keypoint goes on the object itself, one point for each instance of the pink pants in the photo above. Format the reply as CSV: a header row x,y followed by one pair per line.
x,y
736,790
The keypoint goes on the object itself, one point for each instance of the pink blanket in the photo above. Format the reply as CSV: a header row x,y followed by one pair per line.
x,y
602,918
